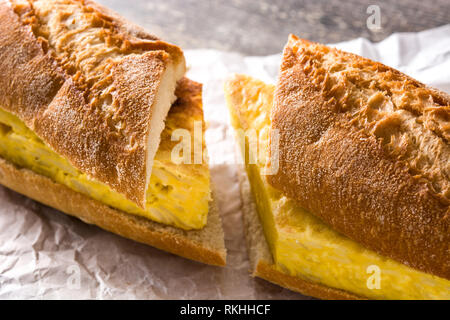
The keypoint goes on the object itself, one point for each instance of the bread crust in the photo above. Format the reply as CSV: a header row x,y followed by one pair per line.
x,y
188,244
267,271
139,33
346,175
120,22
95,116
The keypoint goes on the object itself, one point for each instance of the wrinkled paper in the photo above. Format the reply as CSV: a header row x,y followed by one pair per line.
x,y
47,255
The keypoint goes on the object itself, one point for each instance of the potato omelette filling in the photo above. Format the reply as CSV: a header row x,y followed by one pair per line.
x,y
301,244
178,194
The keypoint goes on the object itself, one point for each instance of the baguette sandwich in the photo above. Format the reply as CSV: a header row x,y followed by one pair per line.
x,y
89,104
347,189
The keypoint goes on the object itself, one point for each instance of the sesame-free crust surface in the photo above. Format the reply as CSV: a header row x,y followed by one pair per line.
x,y
365,148
86,84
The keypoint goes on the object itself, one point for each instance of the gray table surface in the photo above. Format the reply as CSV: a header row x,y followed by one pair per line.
x,y
261,27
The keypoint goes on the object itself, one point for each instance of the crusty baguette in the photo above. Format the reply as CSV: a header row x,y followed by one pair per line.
x,y
206,245
261,261
95,88
366,148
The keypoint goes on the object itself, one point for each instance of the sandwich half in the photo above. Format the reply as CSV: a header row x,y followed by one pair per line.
x,y
357,204
88,110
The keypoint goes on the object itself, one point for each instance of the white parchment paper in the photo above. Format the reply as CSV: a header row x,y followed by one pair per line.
x,y
47,255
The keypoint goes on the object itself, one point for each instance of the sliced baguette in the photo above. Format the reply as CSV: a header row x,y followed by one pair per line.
x,y
366,149
205,245
93,87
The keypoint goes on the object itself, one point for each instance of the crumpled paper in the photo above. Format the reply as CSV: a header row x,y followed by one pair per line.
x,y
47,255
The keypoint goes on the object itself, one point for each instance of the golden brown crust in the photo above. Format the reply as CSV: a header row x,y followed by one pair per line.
x,y
132,30
357,162
267,271
91,104
120,22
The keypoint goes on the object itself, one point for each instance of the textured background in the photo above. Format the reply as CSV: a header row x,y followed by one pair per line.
x,y
261,27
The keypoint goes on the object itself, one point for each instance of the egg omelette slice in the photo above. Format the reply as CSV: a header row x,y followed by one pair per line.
x,y
178,194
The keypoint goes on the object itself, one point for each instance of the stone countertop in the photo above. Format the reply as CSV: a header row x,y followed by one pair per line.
x,y
261,27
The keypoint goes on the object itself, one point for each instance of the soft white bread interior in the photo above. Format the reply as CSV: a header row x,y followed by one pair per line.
x,y
165,97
